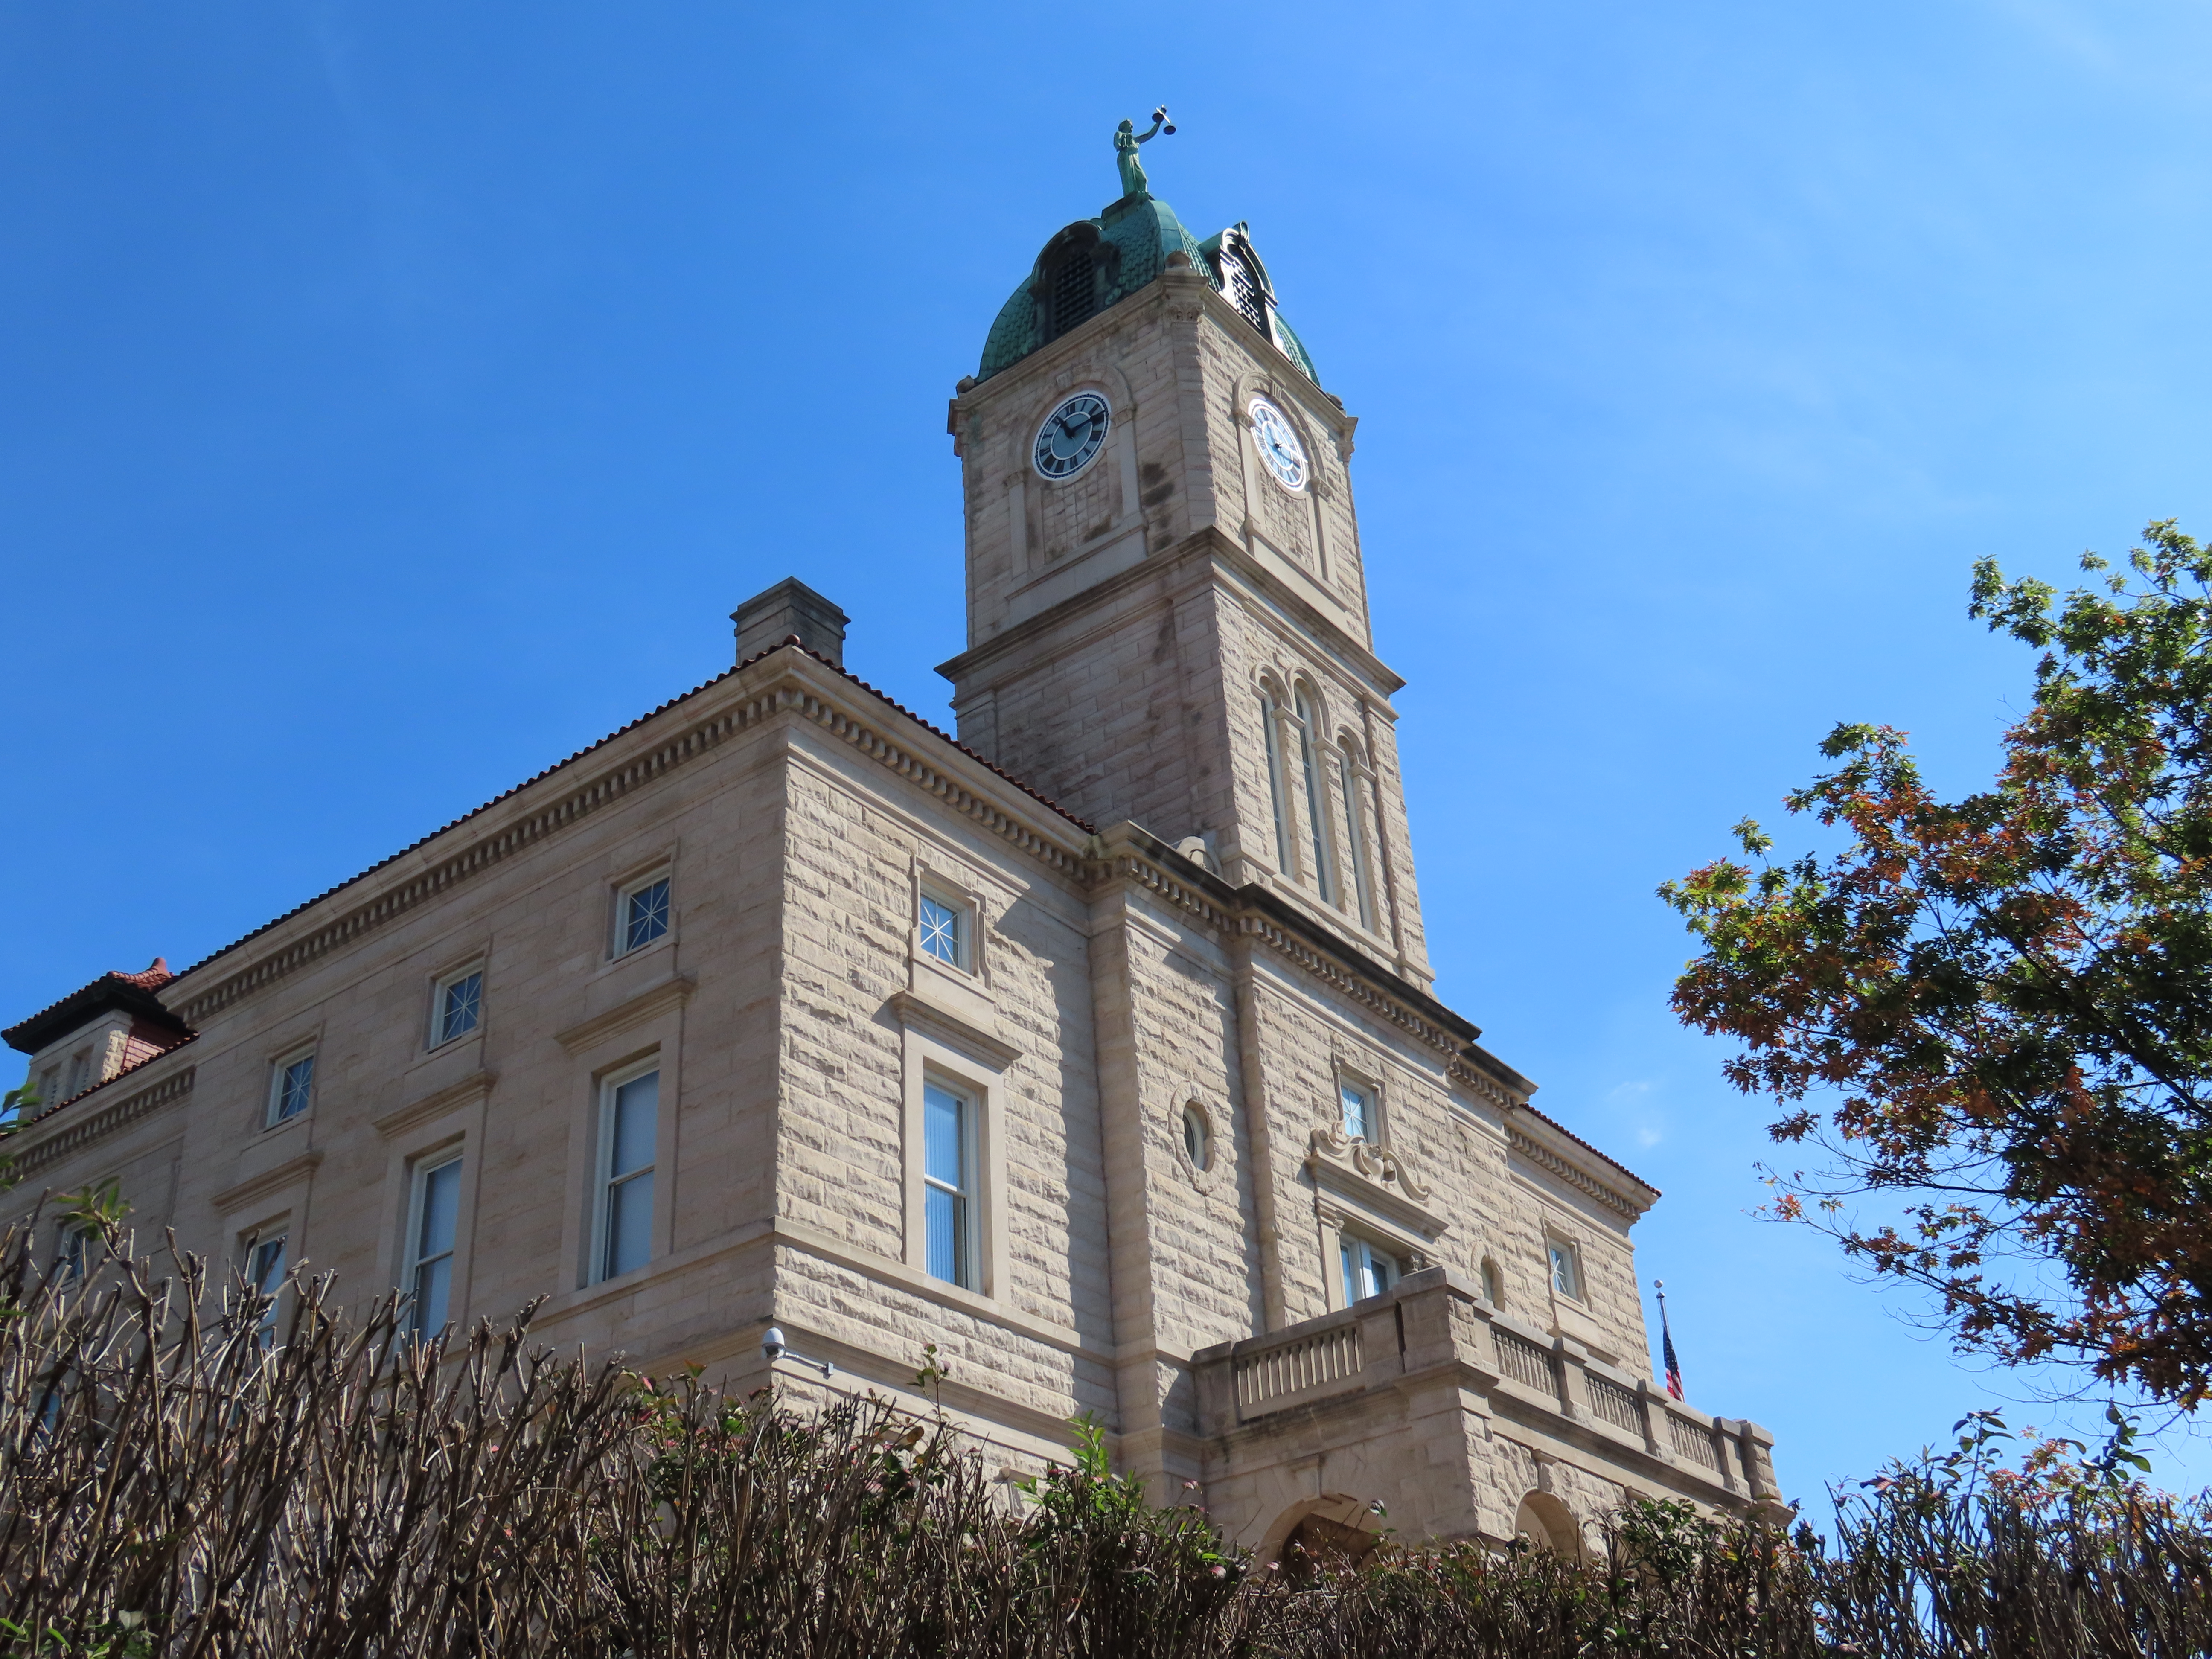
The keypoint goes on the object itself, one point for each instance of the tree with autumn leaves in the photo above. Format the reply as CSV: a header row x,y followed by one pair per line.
x,y
1995,1014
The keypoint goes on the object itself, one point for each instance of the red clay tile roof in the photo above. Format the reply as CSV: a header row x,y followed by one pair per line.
x,y
134,992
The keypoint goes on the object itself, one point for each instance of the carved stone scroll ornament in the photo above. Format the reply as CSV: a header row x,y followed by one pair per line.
x,y
1377,1162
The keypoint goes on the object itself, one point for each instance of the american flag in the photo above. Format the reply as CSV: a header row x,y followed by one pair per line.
x,y
1667,1343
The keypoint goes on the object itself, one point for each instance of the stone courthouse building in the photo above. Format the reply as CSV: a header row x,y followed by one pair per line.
x,y
1098,1046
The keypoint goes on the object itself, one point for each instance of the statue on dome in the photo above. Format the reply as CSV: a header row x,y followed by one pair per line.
x,y
1126,140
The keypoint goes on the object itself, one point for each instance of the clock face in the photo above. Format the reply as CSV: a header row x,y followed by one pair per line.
x,y
1279,444
1072,435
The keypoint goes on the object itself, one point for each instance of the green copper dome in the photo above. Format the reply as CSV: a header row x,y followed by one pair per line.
x,y
1094,264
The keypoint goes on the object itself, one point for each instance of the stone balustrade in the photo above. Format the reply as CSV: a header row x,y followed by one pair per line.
x,y
1309,1391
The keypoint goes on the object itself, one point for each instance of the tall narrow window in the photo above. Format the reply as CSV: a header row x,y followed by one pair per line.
x,y
432,1222
1317,823
1369,1269
264,1271
291,1087
1358,1111
644,914
948,1159
459,1006
1491,1286
1355,832
1276,797
79,1073
629,1121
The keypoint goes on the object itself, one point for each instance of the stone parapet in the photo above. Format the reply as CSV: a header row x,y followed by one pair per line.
x,y
1433,1402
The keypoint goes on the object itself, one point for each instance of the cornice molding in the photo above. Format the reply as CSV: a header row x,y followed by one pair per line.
x,y
397,1122
257,1187
1554,1161
129,1110
654,1000
784,692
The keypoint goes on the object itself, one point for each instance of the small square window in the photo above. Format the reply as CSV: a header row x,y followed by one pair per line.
x,y
292,1086
644,915
459,1006
943,931
1358,1111
1566,1271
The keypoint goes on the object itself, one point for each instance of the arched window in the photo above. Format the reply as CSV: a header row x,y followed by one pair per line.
x,y
1317,821
1492,1286
1355,819
1270,724
1071,292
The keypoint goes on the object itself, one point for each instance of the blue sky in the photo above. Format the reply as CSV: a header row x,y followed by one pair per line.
x,y
399,397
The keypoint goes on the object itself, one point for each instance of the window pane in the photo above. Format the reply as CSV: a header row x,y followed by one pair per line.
x,y
1355,833
645,917
636,1110
1344,1250
267,1271
1316,825
1359,1120
944,1140
940,931
441,1201
1275,783
1563,1270
945,1229
292,1089
458,1012
630,1223
432,1280
1193,1136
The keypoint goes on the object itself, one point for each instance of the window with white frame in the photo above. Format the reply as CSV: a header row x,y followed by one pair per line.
x,y
1369,1269
630,1125
948,1177
1566,1268
1270,724
291,1087
642,915
433,1215
457,1008
1317,822
264,1271
1358,1100
946,929
1347,765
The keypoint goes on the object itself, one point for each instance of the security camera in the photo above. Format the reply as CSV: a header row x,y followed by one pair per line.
x,y
772,1345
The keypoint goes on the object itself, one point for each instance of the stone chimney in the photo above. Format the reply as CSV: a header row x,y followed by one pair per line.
x,y
768,618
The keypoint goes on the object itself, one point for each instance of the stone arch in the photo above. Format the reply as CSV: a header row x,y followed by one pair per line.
x,y
1549,1524
1333,1521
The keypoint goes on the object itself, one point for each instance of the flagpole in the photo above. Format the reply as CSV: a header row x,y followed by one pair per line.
x,y
1667,1344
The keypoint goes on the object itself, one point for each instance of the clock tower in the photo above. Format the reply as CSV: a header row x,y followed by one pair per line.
x,y
1167,613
